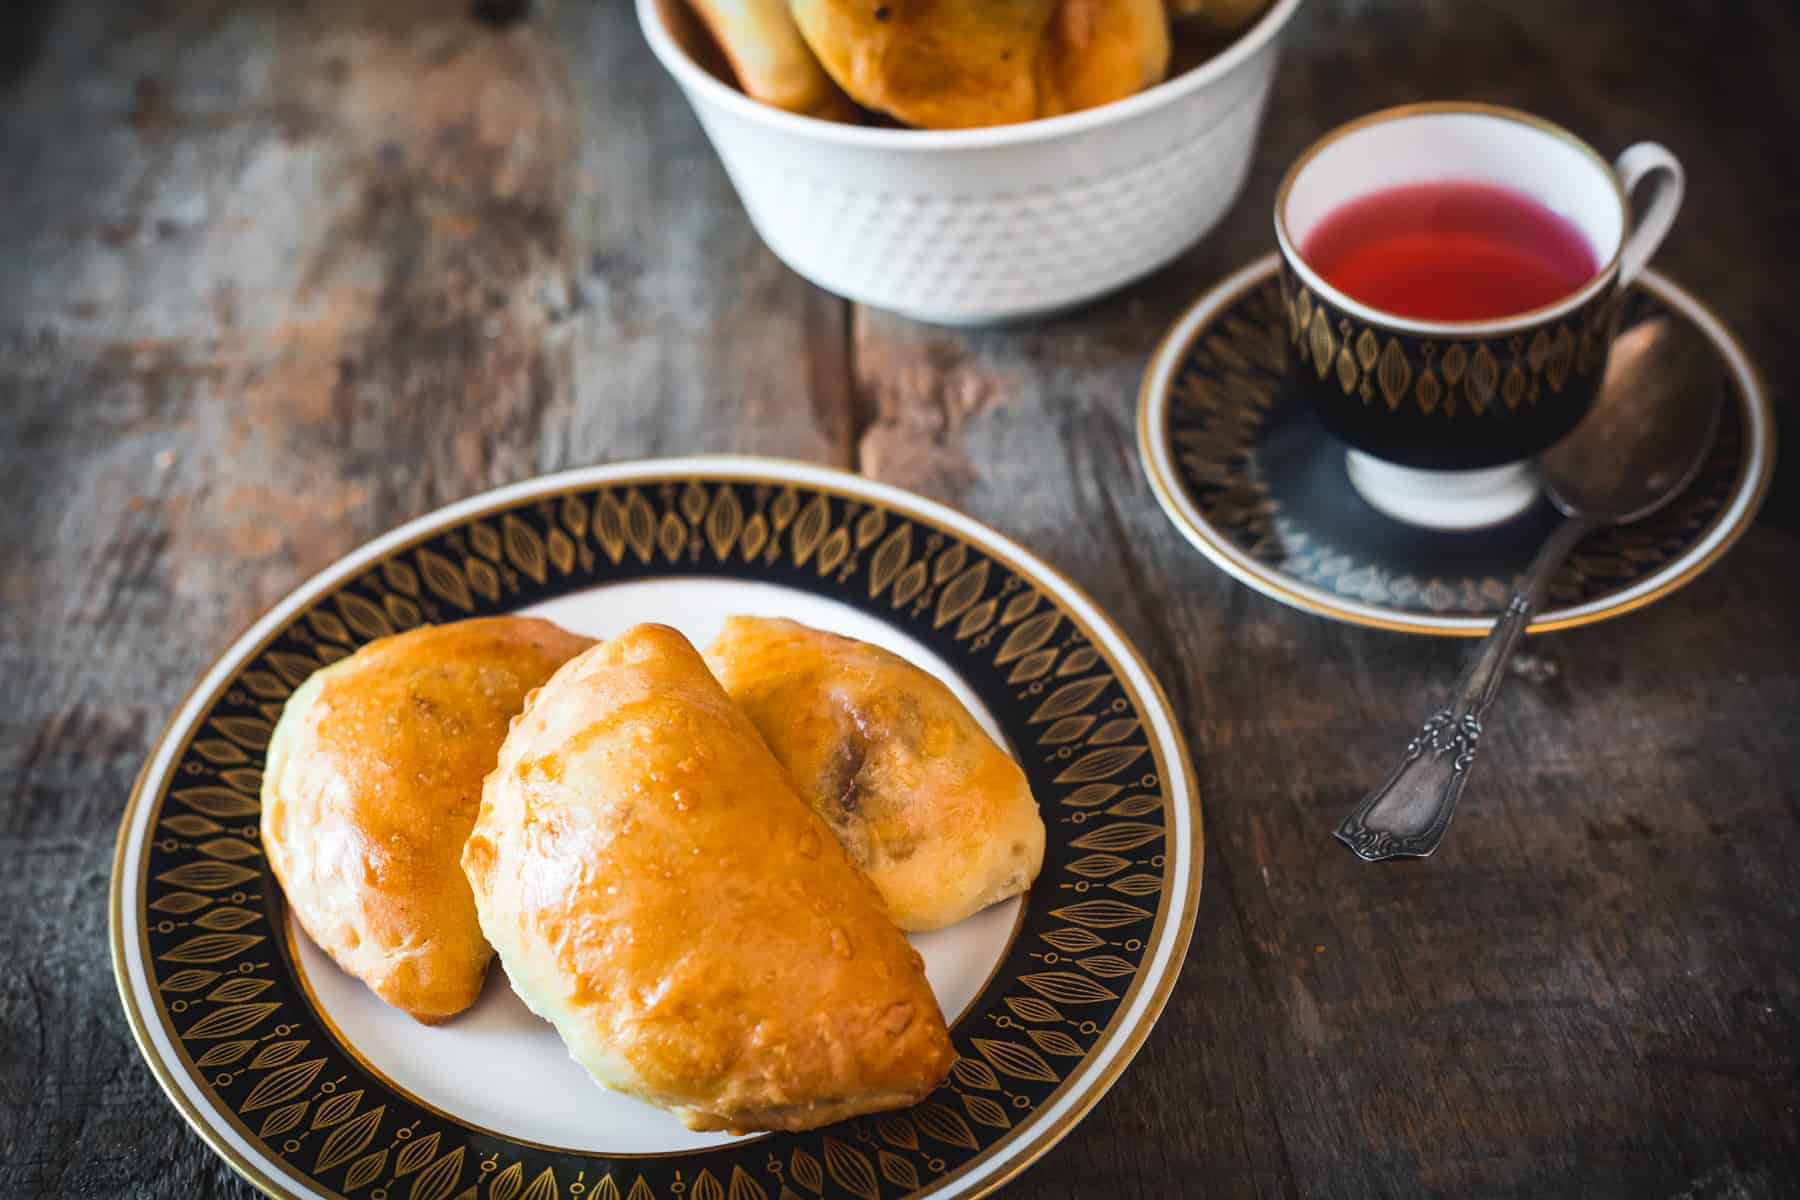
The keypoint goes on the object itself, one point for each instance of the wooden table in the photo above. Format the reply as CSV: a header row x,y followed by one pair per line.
x,y
277,276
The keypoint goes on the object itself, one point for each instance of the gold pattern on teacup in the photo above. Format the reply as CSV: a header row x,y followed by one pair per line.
x,y
1367,366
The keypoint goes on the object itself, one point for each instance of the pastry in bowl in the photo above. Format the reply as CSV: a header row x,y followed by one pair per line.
x,y
939,817
371,785
660,894
771,62
1098,51
937,64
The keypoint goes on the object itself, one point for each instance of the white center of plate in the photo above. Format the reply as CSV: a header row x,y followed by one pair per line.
x,y
499,1067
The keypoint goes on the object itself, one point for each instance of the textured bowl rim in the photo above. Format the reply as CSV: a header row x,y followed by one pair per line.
x,y
694,79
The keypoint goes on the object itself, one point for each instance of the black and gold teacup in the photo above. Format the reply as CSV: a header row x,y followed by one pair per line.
x,y
1442,416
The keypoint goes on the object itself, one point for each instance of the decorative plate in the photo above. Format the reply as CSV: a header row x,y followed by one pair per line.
x,y
309,1086
1250,477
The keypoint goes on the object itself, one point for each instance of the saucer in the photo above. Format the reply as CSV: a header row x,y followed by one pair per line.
x,y
1249,476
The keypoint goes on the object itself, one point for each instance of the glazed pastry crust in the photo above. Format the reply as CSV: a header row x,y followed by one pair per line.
x,y
936,64
1098,51
659,893
771,62
938,816
371,786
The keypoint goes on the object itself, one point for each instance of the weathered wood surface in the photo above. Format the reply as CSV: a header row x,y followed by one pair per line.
x,y
274,277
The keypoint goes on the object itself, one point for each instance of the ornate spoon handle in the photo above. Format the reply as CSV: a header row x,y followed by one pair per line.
x,y
1407,815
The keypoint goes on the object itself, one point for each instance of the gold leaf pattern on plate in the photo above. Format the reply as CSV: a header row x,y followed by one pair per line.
x,y
418,1152
705,1187
444,580
348,1140
809,530
1066,987
264,684
1073,941
191,825
851,1170
365,620
1118,836
1136,806
224,1054
671,537
1028,636
364,1170
231,1020
1100,764
1066,729
337,1109
1030,1008
220,752
976,619
1032,666
1106,966
1102,913
898,1171
211,947
940,1124
223,803
524,548
724,522
248,732
1015,1060
282,1119
1098,866
960,594
279,1087
983,1110
743,1187
508,1183
190,980
1055,1041
972,1072
806,1171
1069,698
236,991
437,1181
1091,795
180,903
1137,885
230,849
277,1054
544,1186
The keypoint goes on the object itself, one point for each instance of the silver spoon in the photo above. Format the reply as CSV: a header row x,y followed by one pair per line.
x,y
1638,447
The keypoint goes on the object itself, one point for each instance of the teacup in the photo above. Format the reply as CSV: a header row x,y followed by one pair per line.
x,y
1443,416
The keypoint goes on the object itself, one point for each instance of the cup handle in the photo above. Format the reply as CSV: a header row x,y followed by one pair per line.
x,y
1648,161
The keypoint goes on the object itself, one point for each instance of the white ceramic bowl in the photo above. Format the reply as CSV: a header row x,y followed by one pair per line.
x,y
974,226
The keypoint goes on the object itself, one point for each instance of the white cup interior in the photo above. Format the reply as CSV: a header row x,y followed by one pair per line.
x,y
1553,169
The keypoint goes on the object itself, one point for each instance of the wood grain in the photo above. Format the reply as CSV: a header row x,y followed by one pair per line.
x,y
278,276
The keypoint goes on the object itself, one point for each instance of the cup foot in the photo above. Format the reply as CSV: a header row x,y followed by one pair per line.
x,y
1444,499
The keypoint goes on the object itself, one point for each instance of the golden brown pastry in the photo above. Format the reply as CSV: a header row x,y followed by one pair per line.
x,y
771,62
659,893
936,814
371,786
1098,51
1220,16
937,64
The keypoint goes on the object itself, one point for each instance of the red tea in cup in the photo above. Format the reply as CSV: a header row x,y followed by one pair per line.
x,y
1451,250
